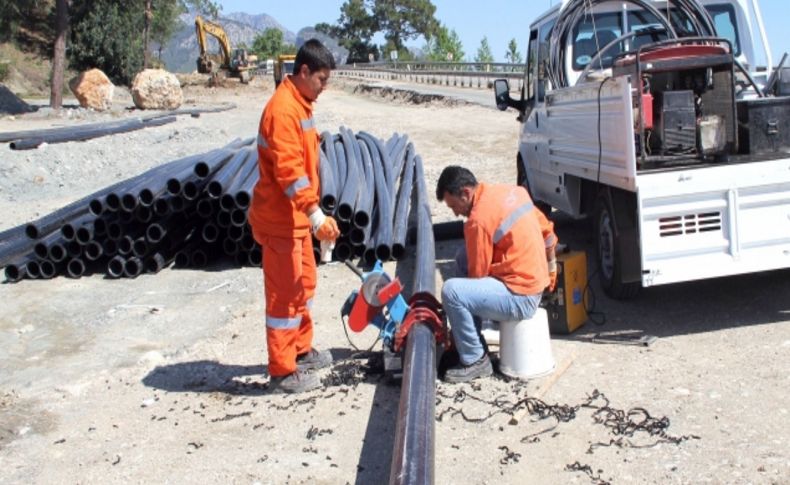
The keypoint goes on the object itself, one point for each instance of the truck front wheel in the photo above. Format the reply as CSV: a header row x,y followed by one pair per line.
x,y
610,252
521,179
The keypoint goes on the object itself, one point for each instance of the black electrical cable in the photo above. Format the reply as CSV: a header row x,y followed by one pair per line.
x,y
571,14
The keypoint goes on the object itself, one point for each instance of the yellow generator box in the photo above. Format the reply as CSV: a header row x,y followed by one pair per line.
x,y
566,305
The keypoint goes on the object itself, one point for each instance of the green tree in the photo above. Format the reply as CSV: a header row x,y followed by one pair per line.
x,y
402,20
165,24
513,55
107,35
445,46
354,29
484,54
30,22
269,44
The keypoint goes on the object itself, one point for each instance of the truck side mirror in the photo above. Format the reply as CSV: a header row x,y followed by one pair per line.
x,y
503,99
502,94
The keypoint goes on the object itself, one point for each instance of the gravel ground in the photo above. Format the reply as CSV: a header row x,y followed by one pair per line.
x,y
163,379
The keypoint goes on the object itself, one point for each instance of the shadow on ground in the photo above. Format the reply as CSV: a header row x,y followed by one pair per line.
x,y
348,370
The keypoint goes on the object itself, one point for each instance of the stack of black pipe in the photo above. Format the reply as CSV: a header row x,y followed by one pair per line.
x,y
189,212
366,184
193,211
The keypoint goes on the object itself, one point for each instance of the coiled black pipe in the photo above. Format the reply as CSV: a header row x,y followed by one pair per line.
x,y
399,225
348,198
383,237
362,216
328,189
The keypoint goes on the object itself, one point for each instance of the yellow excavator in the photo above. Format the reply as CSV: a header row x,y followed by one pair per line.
x,y
237,63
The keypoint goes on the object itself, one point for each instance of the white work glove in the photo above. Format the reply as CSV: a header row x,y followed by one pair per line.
x,y
324,227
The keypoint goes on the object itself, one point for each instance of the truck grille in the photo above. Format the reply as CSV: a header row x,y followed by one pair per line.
x,y
689,224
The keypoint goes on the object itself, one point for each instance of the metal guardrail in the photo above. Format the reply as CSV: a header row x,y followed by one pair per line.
x,y
456,74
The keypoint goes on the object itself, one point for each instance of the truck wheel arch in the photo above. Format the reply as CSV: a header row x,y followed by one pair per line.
x,y
617,243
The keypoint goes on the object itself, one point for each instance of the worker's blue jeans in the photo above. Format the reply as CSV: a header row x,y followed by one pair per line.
x,y
468,301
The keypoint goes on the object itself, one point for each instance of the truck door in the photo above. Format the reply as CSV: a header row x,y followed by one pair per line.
x,y
542,181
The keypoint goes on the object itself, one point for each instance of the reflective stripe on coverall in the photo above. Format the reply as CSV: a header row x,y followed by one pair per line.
x,y
288,186
507,238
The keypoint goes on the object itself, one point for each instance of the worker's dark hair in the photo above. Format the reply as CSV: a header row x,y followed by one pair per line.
x,y
315,55
453,179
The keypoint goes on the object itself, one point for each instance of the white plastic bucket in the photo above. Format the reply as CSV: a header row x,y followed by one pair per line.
x,y
525,347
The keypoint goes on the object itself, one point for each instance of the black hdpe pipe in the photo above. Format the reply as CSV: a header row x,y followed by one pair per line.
x,y
377,148
328,189
20,135
93,202
41,248
400,224
413,450
54,221
243,196
382,239
18,270
328,147
348,198
87,134
75,268
227,200
150,180
133,267
204,167
225,176
115,266
340,163
362,217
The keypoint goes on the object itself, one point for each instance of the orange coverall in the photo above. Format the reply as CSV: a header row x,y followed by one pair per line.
x,y
503,238
288,186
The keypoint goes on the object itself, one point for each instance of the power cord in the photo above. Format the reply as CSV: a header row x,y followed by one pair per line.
x,y
353,345
588,295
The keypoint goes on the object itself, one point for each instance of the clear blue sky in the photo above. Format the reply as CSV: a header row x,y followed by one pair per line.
x,y
499,20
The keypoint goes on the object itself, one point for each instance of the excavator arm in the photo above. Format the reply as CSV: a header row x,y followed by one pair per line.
x,y
203,27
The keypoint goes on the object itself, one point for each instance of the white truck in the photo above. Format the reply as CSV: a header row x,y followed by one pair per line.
x,y
653,118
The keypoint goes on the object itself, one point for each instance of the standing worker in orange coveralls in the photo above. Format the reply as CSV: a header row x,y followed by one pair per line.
x,y
285,215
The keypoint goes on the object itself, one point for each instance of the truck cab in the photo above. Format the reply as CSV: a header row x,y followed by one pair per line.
x,y
657,123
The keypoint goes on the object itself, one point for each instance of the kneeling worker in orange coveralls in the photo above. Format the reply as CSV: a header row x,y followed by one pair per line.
x,y
285,215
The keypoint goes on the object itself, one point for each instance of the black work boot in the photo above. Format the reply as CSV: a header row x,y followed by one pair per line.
x,y
314,359
466,373
294,382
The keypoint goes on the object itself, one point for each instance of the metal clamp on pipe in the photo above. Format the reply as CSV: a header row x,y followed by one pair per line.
x,y
379,303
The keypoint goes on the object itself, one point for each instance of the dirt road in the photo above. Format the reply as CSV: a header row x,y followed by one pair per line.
x,y
162,378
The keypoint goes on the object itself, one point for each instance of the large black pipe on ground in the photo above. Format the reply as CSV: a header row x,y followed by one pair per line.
x,y
413,450
87,134
74,133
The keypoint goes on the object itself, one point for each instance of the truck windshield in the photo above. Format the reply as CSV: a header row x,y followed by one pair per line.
x,y
587,40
